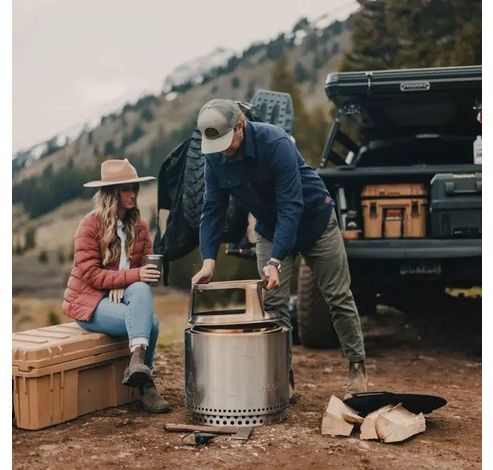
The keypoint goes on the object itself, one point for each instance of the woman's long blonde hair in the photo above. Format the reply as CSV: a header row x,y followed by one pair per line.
x,y
106,206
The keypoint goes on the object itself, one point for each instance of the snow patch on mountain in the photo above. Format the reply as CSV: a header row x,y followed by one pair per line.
x,y
337,14
194,70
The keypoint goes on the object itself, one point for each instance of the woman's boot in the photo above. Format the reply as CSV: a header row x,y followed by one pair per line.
x,y
151,400
137,373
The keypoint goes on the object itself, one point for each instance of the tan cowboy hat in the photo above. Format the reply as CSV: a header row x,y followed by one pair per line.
x,y
117,172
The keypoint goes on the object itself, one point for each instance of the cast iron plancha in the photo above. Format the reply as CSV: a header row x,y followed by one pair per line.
x,y
365,403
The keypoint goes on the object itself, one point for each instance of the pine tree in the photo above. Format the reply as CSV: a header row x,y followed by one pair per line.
x,y
372,46
300,73
414,33
436,33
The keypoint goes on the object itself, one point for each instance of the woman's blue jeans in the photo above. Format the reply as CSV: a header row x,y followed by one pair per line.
x,y
133,317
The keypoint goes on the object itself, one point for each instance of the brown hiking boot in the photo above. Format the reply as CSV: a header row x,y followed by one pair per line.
x,y
151,400
358,381
137,373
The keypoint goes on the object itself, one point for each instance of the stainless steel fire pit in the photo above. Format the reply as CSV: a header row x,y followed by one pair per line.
x,y
236,369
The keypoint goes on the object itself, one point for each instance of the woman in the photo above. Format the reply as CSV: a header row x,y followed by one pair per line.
x,y
108,290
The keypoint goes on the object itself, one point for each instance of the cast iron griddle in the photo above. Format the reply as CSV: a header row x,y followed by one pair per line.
x,y
365,403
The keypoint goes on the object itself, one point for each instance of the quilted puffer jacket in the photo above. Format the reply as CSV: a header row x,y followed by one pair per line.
x,y
89,282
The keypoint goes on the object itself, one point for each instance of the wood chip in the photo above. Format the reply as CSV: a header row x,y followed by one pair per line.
x,y
333,422
398,424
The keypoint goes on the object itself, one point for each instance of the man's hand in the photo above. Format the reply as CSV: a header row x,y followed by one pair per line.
x,y
115,295
205,274
271,275
149,273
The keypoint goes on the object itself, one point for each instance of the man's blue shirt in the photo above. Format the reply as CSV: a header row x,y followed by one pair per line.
x,y
269,178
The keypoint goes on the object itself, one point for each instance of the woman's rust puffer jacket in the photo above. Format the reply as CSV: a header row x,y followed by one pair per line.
x,y
89,282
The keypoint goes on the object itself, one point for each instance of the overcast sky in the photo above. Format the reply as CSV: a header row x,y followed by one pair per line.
x,y
76,59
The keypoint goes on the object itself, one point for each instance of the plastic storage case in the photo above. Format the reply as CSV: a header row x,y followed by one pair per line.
x,y
62,372
394,190
394,210
456,205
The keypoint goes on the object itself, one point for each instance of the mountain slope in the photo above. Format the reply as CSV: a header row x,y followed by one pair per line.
x,y
147,130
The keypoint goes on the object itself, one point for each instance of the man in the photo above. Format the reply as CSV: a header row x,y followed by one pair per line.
x,y
259,165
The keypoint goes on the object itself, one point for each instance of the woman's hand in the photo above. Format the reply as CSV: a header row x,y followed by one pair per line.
x,y
149,273
116,295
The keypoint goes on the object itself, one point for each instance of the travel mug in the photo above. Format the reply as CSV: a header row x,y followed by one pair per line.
x,y
156,260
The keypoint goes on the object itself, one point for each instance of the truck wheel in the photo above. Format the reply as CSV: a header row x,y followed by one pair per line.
x,y
315,327
193,188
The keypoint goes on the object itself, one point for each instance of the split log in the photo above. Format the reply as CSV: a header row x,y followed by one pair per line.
x,y
333,422
398,424
368,430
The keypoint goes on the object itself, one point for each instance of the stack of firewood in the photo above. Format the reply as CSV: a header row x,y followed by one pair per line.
x,y
391,423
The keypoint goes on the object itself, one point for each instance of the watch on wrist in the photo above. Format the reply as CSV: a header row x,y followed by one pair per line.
x,y
276,264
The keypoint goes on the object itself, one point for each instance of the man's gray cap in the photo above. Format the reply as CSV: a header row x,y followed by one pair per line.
x,y
216,122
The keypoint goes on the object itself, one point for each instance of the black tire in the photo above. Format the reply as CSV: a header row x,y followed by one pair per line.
x,y
193,194
315,327
193,188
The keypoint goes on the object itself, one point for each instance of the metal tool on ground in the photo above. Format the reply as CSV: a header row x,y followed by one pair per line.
x,y
235,432
197,438
236,358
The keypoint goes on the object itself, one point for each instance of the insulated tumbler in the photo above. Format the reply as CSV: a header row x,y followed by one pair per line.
x,y
156,260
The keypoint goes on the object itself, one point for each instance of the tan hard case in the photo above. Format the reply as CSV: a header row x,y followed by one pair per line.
x,y
394,190
408,199
63,371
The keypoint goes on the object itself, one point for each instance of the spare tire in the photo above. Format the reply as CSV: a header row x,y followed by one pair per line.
x,y
315,328
193,188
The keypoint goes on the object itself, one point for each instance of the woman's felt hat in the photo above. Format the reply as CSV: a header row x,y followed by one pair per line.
x,y
117,172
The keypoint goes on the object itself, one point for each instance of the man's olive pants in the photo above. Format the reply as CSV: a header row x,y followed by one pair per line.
x,y
328,262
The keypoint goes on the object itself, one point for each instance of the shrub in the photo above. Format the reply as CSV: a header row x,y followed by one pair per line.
x,y
147,115
30,238
43,257
61,256
53,318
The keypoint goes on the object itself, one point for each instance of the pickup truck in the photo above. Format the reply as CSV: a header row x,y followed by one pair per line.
x,y
401,127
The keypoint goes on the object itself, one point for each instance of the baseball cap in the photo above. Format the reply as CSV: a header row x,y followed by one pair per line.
x,y
216,121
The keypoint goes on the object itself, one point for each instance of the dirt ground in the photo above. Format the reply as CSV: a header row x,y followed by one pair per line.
x,y
437,353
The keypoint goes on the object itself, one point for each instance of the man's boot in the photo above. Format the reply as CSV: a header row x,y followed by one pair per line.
x,y
151,400
358,381
137,373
